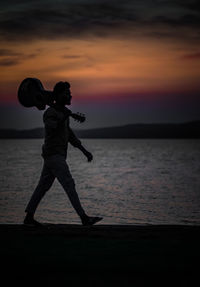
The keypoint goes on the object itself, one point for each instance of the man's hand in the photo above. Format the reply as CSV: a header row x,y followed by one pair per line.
x,y
88,155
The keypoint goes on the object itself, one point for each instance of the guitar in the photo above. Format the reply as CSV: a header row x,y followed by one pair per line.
x,y
79,117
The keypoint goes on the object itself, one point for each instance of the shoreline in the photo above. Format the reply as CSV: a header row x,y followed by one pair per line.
x,y
104,230
121,255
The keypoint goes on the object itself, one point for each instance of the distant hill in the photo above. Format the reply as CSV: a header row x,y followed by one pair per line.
x,y
184,130
21,134
181,130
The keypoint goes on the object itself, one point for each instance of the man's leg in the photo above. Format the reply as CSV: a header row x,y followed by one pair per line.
x,y
60,170
44,184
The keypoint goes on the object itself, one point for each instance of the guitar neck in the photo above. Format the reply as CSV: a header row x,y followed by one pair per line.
x,y
80,118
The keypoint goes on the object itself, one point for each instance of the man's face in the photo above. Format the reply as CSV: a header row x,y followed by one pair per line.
x,y
66,96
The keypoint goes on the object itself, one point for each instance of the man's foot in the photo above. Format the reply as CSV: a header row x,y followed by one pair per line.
x,y
89,220
32,222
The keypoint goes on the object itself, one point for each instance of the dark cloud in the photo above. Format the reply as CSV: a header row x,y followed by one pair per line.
x,y
8,52
191,56
62,19
30,20
193,5
9,57
72,56
9,62
187,20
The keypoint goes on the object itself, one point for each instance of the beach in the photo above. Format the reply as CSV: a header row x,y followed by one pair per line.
x,y
101,255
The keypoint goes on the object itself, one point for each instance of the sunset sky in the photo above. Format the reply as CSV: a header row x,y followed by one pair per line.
x,y
127,61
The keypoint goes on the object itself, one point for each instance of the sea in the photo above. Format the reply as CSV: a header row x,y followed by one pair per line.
x,y
129,181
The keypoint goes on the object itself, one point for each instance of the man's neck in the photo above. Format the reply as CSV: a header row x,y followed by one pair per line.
x,y
58,106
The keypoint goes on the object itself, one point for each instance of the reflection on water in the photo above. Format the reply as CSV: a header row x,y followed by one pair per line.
x,y
130,181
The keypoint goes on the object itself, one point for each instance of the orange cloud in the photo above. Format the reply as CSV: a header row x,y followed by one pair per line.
x,y
101,67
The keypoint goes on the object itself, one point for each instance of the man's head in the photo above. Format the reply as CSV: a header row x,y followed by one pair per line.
x,y
62,93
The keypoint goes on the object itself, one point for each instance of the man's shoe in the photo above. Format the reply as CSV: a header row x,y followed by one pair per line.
x,y
89,220
32,222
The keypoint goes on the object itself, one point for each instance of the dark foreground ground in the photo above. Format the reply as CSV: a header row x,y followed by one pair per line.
x,y
102,255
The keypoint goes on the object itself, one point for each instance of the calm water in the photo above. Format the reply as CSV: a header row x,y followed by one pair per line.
x,y
129,182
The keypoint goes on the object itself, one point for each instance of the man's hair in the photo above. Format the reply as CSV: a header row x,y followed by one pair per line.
x,y
59,88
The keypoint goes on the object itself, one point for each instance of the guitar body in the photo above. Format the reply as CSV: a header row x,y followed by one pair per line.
x,y
32,93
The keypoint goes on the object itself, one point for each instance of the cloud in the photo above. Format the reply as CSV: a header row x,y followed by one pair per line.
x,y
9,57
8,52
9,62
193,5
72,56
65,19
187,20
191,56
62,19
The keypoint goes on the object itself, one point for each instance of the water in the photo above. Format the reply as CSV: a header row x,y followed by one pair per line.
x,y
130,181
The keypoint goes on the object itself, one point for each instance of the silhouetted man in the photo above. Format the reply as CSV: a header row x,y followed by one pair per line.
x,y
54,151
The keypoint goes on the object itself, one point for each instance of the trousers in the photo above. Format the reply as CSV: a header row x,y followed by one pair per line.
x,y
55,166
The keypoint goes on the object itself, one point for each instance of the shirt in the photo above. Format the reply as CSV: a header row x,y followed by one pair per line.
x,y
57,133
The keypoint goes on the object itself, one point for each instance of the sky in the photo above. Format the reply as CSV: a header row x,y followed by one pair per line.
x,y
127,61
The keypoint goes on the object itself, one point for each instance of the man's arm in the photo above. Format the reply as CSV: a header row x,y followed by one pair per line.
x,y
77,143
86,153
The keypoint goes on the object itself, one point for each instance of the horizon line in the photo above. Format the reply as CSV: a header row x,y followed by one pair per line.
x,y
118,126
